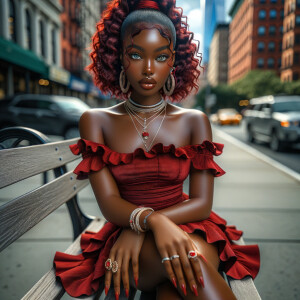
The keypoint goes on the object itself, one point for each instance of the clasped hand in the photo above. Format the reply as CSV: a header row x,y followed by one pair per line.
x,y
170,240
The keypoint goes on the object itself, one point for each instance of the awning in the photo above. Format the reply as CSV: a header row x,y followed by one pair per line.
x,y
15,54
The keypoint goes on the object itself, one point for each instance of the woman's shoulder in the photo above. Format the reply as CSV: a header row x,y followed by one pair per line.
x,y
190,114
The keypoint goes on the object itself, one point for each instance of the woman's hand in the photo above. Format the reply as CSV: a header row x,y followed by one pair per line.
x,y
126,248
172,240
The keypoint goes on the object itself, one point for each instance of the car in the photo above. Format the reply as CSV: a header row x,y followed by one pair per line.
x,y
50,114
226,116
274,119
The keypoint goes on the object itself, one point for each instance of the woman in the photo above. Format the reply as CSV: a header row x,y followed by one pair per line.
x,y
137,155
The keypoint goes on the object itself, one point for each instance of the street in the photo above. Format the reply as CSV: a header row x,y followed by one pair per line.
x,y
290,157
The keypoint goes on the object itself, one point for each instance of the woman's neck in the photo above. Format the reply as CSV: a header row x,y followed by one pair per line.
x,y
144,100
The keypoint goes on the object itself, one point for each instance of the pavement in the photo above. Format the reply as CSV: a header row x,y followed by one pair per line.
x,y
257,197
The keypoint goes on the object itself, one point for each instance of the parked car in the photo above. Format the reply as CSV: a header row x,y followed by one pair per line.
x,y
226,116
274,119
52,115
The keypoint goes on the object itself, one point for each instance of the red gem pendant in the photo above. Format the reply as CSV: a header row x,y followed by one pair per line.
x,y
145,135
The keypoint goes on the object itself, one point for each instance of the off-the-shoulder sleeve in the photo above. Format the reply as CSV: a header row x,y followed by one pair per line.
x,y
202,157
93,157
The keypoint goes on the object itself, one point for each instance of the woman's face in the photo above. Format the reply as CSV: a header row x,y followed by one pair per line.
x,y
147,60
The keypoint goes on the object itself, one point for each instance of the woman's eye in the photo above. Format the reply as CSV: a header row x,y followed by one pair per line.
x,y
162,57
134,56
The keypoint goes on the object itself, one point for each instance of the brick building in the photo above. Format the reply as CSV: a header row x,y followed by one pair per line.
x,y
290,69
255,37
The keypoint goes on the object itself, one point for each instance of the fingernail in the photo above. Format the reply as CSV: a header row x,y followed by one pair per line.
x,y
201,281
174,282
183,289
195,290
106,290
203,258
117,295
136,281
127,293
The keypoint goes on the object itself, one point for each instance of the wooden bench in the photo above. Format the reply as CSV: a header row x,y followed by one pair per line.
x,y
20,150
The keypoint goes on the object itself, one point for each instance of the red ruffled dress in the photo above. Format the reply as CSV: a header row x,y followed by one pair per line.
x,y
153,179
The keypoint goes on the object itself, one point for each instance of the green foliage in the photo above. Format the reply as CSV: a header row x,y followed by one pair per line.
x,y
255,84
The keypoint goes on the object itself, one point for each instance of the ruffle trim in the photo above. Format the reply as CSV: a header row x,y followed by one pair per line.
x,y
96,156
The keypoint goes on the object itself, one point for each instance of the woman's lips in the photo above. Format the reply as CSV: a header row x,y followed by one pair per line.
x,y
147,86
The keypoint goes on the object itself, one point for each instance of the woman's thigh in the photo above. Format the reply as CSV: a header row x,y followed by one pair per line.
x,y
152,271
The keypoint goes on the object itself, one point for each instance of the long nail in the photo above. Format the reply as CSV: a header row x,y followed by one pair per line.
x,y
106,290
174,282
203,258
117,295
127,293
201,281
195,290
136,281
183,289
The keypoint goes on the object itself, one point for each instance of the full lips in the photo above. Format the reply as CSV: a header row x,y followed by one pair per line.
x,y
147,86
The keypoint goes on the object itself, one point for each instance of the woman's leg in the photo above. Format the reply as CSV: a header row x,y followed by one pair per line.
x,y
153,274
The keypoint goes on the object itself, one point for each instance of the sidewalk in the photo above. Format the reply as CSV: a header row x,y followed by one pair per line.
x,y
256,197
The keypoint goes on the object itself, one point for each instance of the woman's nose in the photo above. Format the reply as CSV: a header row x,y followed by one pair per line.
x,y
148,68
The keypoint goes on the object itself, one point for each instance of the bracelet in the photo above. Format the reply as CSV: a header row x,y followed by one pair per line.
x,y
134,220
145,220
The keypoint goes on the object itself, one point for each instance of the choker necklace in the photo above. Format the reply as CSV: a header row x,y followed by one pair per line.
x,y
145,106
144,135
138,108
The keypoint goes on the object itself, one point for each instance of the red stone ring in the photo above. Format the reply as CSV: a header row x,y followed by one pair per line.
x,y
108,264
192,254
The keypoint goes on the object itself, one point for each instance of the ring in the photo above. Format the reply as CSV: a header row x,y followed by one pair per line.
x,y
174,256
108,264
115,267
164,259
192,254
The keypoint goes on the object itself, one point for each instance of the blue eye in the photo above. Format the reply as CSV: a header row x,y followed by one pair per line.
x,y
134,56
162,57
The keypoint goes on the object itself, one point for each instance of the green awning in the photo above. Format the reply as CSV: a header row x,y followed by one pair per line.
x,y
13,53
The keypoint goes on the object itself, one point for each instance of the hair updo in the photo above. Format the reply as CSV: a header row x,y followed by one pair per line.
x,y
117,19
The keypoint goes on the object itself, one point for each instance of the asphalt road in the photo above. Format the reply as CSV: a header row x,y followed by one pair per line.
x,y
289,158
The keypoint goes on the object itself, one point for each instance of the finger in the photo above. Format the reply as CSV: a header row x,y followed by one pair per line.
x,y
108,275
177,267
125,273
174,271
135,267
116,273
195,263
187,268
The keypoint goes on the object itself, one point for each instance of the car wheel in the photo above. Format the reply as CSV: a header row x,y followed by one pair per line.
x,y
250,135
71,133
275,143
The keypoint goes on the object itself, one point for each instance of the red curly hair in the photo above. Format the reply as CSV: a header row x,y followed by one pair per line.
x,y
106,47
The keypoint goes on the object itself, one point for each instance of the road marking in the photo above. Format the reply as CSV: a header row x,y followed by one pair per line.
x,y
258,154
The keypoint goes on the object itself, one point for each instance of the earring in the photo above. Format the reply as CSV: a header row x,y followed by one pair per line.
x,y
169,85
122,81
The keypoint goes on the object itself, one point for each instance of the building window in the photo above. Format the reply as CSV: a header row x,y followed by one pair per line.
x,y
297,39
281,30
280,46
282,14
12,21
296,58
53,42
273,14
298,3
28,30
262,1
279,62
64,63
261,46
42,39
64,30
272,30
261,30
260,62
273,1
297,20
295,76
262,14
271,62
271,46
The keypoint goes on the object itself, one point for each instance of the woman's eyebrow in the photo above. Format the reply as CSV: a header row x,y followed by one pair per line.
x,y
142,49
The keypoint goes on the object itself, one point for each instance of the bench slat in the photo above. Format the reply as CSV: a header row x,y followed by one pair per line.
x,y
22,213
20,163
48,287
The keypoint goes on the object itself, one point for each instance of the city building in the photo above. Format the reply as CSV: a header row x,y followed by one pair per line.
x,y
218,56
214,14
290,69
29,42
255,37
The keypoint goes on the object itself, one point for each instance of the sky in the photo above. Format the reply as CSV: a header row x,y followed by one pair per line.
x,y
194,10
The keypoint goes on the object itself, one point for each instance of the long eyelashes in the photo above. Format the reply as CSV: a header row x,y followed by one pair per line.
x,y
136,56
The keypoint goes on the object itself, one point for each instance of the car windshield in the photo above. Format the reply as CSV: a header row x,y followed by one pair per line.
x,y
228,112
72,105
286,106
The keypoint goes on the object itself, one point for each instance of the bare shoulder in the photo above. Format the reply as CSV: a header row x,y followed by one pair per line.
x,y
198,123
92,121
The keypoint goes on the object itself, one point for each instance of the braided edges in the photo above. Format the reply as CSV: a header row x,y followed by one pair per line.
x,y
107,45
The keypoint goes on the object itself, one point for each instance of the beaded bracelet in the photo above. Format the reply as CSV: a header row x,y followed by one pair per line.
x,y
134,220
145,219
